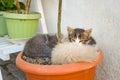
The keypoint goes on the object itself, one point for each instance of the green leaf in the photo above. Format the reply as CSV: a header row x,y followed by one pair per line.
x,y
9,5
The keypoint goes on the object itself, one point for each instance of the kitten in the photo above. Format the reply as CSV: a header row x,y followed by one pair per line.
x,y
40,45
78,35
83,50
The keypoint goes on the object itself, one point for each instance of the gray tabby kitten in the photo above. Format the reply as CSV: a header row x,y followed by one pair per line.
x,y
39,47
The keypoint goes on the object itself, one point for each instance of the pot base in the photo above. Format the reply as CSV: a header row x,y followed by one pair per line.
x,y
73,71
81,75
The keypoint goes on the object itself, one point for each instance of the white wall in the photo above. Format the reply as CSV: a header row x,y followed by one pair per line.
x,y
101,15
50,10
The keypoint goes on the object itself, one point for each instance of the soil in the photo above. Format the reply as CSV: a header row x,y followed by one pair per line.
x,y
38,60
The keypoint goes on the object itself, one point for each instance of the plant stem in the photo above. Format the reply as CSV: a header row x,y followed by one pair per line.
x,y
59,20
18,6
28,6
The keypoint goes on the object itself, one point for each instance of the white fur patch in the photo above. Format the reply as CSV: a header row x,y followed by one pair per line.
x,y
77,40
68,52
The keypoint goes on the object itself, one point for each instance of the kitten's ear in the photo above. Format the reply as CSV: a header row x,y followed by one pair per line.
x,y
70,29
88,32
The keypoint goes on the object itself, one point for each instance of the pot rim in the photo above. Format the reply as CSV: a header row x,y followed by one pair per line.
x,y
1,13
32,15
56,69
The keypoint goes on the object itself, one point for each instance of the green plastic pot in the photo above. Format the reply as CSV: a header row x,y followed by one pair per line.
x,y
22,25
3,29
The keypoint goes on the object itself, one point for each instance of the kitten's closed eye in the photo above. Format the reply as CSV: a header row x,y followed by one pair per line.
x,y
72,39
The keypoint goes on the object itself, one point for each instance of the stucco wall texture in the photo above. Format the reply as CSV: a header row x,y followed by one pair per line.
x,y
103,16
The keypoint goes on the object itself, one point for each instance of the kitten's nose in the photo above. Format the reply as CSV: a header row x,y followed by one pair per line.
x,y
77,41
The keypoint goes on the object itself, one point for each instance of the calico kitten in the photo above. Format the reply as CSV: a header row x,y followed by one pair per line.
x,y
68,52
80,36
39,47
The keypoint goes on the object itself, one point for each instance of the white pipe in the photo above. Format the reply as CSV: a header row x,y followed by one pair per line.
x,y
43,22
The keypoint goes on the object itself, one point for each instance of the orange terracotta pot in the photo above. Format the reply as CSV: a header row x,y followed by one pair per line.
x,y
74,71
